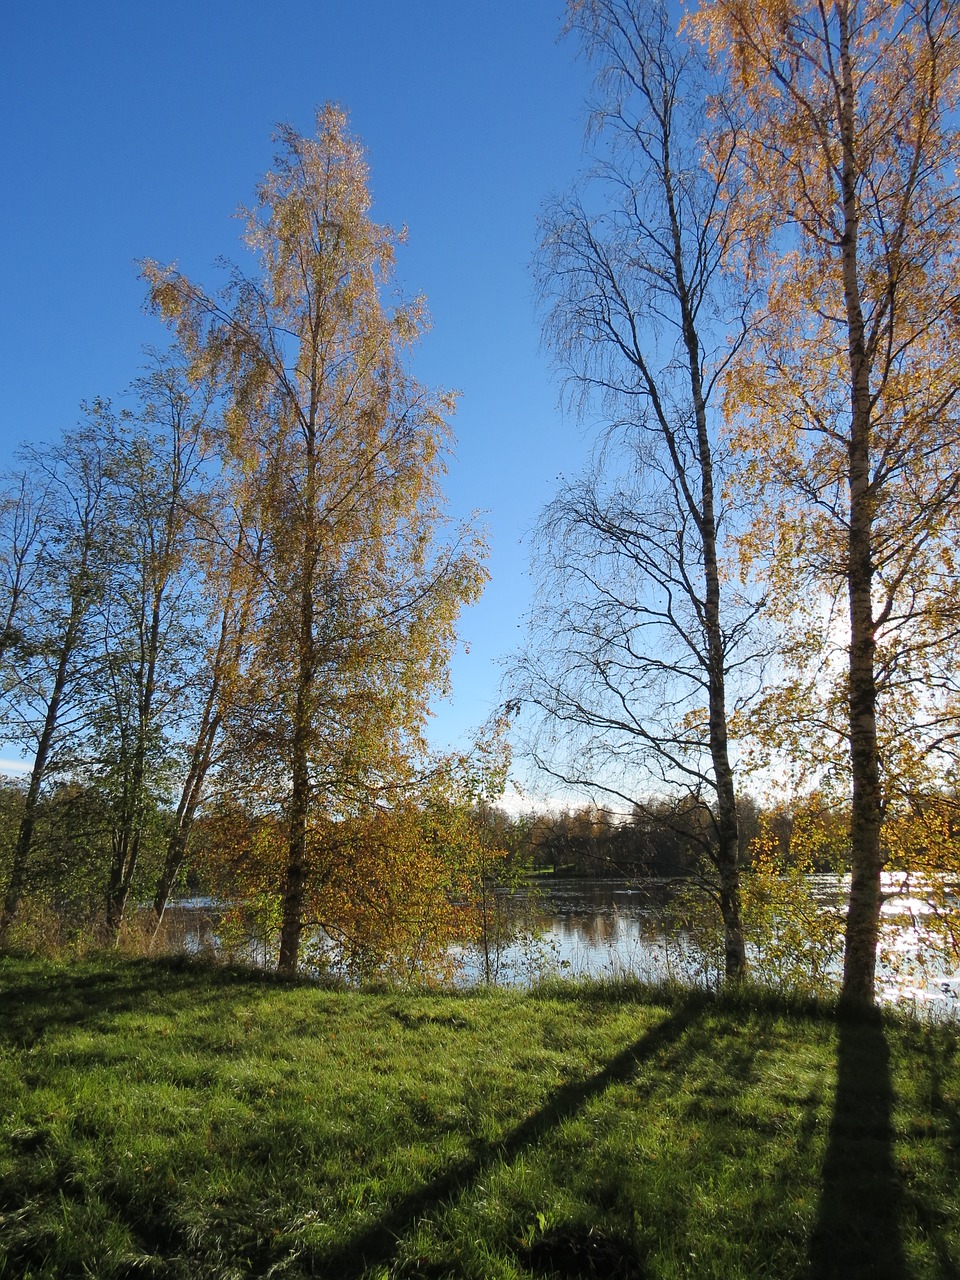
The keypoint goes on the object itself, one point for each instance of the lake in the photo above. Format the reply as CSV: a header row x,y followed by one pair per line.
x,y
612,928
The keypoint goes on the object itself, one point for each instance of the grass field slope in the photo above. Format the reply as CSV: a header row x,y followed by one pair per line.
x,y
180,1120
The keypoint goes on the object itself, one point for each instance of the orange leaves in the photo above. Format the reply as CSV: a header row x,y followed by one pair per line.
x,y
389,890
795,935
396,891
334,455
841,399
843,394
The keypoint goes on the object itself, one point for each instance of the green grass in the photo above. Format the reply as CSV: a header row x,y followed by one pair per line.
x,y
182,1121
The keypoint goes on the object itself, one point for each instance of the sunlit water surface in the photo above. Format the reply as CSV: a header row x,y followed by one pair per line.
x,y
613,928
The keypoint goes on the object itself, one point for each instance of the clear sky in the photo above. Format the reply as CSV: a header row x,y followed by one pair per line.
x,y
135,130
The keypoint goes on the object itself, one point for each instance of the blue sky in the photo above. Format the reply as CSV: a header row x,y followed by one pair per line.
x,y
135,130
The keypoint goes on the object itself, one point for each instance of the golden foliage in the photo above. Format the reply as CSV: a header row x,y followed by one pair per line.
x,y
796,937
335,456
846,193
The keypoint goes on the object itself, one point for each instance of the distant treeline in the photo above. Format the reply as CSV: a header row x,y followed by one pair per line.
x,y
658,839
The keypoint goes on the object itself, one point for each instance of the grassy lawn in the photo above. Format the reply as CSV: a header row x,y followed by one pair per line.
x,y
182,1121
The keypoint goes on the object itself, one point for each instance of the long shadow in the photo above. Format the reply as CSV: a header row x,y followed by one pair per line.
x,y
376,1243
857,1233
34,1004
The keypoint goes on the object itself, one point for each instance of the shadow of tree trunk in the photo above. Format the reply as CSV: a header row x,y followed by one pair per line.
x,y
377,1242
857,1233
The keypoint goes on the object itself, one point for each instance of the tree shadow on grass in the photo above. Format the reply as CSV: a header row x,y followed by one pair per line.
x,y
377,1242
858,1228
42,1000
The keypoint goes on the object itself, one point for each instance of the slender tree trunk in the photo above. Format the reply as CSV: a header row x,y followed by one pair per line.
x,y
863,915
186,812
114,898
192,788
175,856
727,854
296,874
21,852
728,834
294,891
131,839
127,845
122,890
228,652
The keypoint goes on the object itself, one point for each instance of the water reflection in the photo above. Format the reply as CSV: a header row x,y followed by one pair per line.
x,y
613,928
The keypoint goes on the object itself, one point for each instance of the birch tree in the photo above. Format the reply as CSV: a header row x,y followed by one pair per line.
x,y
228,563
846,393
638,640
359,588
158,477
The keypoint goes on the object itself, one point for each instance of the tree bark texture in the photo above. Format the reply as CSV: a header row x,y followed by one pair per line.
x,y
863,918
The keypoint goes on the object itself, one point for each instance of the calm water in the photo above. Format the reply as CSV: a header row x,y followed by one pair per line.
x,y
612,928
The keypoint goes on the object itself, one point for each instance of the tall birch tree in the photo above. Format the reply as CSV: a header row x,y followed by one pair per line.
x,y
846,395
358,588
639,640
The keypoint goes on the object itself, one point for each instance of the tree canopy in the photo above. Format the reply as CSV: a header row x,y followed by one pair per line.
x,y
276,607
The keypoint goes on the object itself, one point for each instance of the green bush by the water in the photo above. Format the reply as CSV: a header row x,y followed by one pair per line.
x,y
174,1120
